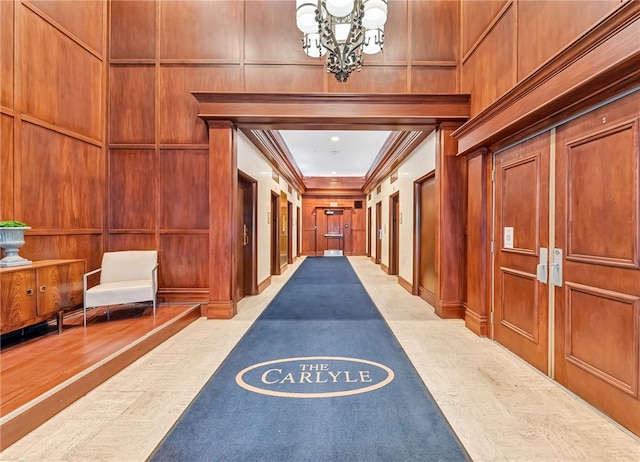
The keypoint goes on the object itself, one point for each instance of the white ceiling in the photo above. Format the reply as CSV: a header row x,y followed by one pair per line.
x,y
317,155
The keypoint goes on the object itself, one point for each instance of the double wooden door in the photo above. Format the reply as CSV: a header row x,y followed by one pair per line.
x,y
574,311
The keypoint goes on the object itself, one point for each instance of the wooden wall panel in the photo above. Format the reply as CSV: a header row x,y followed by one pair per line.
x,y
129,241
184,260
279,78
6,54
61,82
185,24
434,30
434,79
132,190
477,15
87,247
6,172
83,18
541,19
178,111
476,248
489,71
133,29
372,79
184,189
69,175
132,104
396,43
270,38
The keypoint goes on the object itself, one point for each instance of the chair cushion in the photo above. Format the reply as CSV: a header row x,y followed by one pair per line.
x,y
114,293
127,265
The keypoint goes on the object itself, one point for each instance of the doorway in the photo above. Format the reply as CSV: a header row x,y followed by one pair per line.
x,y
394,233
289,232
246,255
424,238
378,232
369,229
275,234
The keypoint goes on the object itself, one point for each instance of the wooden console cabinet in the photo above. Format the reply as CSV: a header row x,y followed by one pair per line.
x,y
38,292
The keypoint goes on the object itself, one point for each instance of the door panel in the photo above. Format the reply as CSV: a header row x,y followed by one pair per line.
x,y
394,233
427,266
597,307
522,229
378,232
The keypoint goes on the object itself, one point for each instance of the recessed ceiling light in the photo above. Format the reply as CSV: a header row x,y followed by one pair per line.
x,y
334,173
335,138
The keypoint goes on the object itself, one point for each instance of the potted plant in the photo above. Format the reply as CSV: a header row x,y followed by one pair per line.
x,y
11,239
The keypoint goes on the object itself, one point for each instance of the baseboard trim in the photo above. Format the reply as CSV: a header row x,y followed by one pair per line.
x,y
406,285
449,310
384,268
475,322
264,284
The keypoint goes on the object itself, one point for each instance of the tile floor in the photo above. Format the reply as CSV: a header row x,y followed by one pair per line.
x,y
501,408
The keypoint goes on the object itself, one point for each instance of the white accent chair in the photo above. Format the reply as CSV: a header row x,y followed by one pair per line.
x,y
125,277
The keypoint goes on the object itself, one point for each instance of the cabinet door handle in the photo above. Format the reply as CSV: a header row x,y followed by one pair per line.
x,y
29,291
43,288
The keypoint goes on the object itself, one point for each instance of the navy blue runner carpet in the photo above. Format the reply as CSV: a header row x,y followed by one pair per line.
x,y
318,377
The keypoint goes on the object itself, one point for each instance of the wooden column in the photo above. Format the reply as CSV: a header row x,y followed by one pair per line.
x,y
478,256
451,184
223,184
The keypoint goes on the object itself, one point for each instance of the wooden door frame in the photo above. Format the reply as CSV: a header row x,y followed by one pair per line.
x,y
253,240
394,234
289,233
369,228
298,232
275,235
378,258
417,216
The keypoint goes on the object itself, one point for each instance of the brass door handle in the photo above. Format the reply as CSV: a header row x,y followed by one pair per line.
x,y
29,291
43,289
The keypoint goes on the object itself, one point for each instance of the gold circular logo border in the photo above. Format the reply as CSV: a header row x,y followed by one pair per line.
x,y
240,381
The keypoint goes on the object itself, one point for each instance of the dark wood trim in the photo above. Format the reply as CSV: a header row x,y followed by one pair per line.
x,y
394,231
396,149
275,150
274,206
289,232
322,111
475,322
406,285
598,65
264,284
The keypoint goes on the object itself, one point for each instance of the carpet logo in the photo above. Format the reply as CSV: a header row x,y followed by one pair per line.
x,y
314,377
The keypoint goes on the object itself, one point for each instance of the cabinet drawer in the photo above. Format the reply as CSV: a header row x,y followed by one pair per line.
x,y
59,287
18,299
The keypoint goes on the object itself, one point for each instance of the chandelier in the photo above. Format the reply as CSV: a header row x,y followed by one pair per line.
x,y
343,30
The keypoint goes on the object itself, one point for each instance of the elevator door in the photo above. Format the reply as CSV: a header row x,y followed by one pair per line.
x,y
521,242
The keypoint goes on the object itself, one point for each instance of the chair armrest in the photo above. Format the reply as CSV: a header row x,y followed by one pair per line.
x,y
154,277
86,275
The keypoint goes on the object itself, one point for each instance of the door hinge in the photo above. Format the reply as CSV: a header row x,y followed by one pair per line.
x,y
493,246
493,175
491,316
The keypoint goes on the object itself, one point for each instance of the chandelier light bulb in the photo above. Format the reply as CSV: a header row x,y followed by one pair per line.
x,y
306,16
375,14
373,40
339,8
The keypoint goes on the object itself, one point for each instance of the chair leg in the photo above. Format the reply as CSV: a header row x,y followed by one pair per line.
x,y
85,317
108,312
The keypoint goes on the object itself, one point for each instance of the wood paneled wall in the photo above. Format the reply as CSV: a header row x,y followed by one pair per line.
x,y
52,122
503,41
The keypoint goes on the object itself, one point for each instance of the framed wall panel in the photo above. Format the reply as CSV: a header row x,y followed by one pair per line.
x,y
86,23
133,29
540,19
61,82
69,175
6,54
6,172
184,260
184,189
132,104
477,16
434,30
397,40
434,79
183,24
274,78
132,241
85,246
178,112
373,79
132,189
486,74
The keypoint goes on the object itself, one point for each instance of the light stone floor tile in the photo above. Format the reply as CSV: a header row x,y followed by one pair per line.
x,y
501,408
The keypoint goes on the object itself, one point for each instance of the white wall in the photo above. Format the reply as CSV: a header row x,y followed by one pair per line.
x,y
252,163
419,163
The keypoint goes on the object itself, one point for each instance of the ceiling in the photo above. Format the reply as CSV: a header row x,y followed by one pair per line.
x,y
318,153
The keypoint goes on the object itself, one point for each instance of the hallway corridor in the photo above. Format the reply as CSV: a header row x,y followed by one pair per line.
x,y
481,388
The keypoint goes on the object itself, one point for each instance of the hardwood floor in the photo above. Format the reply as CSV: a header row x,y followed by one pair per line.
x,y
42,374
